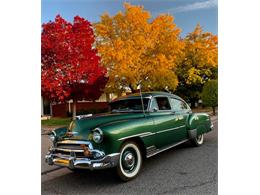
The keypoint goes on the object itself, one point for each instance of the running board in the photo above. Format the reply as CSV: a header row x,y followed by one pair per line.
x,y
154,151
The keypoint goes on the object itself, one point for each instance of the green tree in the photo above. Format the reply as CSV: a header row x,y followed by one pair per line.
x,y
198,64
210,94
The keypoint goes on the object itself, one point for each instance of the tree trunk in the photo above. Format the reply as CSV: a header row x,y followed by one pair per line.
x,y
74,109
214,112
119,94
107,97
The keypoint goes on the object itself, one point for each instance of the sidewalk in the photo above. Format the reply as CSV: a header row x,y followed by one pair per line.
x,y
212,117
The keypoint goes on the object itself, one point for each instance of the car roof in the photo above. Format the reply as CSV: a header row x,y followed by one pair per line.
x,y
147,95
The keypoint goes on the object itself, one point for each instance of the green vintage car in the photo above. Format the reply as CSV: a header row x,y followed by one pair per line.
x,y
138,126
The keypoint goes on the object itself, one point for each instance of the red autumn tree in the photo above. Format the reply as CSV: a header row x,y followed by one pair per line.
x,y
70,68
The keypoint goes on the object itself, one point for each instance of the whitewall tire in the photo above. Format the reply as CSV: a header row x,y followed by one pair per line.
x,y
130,161
198,141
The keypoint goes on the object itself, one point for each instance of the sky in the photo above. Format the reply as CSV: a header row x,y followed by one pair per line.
x,y
187,13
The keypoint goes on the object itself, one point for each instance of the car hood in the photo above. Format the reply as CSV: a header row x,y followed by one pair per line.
x,y
82,127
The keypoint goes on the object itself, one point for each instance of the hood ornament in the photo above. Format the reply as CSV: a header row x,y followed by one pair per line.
x,y
83,116
71,133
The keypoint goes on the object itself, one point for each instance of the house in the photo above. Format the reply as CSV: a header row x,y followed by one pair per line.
x,y
63,109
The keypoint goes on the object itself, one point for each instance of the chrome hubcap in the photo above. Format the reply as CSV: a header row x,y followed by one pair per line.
x,y
128,160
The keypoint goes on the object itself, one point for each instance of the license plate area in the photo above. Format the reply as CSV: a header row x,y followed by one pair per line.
x,y
62,162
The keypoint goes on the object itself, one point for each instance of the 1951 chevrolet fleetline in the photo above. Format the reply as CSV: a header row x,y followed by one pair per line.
x,y
138,126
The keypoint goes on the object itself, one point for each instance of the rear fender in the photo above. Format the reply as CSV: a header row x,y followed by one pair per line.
x,y
198,123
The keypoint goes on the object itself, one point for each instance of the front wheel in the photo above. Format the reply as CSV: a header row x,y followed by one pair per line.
x,y
130,161
198,141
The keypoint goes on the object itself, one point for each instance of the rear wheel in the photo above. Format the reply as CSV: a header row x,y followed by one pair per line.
x,y
130,161
198,141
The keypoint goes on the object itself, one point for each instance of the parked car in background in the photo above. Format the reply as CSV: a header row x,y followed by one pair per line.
x,y
137,127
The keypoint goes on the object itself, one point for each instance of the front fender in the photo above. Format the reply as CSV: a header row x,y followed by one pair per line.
x,y
59,132
115,133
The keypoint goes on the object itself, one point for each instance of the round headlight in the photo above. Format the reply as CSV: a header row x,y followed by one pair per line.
x,y
97,135
52,136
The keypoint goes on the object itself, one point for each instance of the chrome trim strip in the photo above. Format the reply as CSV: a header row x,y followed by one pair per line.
x,y
152,146
170,129
78,117
73,142
140,134
113,154
68,150
168,147
150,133
77,142
145,134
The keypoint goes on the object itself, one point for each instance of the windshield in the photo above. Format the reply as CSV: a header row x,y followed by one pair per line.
x,y
129,105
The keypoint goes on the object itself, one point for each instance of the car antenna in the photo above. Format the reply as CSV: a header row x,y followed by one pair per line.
x,y
140,91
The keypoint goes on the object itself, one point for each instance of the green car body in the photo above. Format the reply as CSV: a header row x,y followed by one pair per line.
x,y
153,129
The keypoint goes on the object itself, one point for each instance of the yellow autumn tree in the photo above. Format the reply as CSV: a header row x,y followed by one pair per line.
x,y
198,63
134,47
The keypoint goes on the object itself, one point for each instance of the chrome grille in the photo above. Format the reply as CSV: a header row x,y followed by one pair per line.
x,y
68,146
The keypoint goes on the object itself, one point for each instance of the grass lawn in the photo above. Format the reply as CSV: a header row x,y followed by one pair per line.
x,y
55,121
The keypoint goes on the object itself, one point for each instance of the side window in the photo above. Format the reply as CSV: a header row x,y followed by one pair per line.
x,y
163,103
178,105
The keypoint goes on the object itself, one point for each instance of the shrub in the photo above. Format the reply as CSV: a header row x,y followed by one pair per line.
x,y
210,94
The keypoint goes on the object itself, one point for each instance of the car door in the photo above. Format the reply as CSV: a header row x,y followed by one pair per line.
x,y
165,121
181,111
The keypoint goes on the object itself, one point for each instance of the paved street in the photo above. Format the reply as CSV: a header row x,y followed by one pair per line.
x,y
180,170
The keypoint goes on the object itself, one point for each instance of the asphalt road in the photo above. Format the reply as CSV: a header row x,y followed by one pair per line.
x,y
180,170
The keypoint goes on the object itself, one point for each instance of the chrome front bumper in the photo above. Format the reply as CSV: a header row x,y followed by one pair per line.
x,y
73,162
108,161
